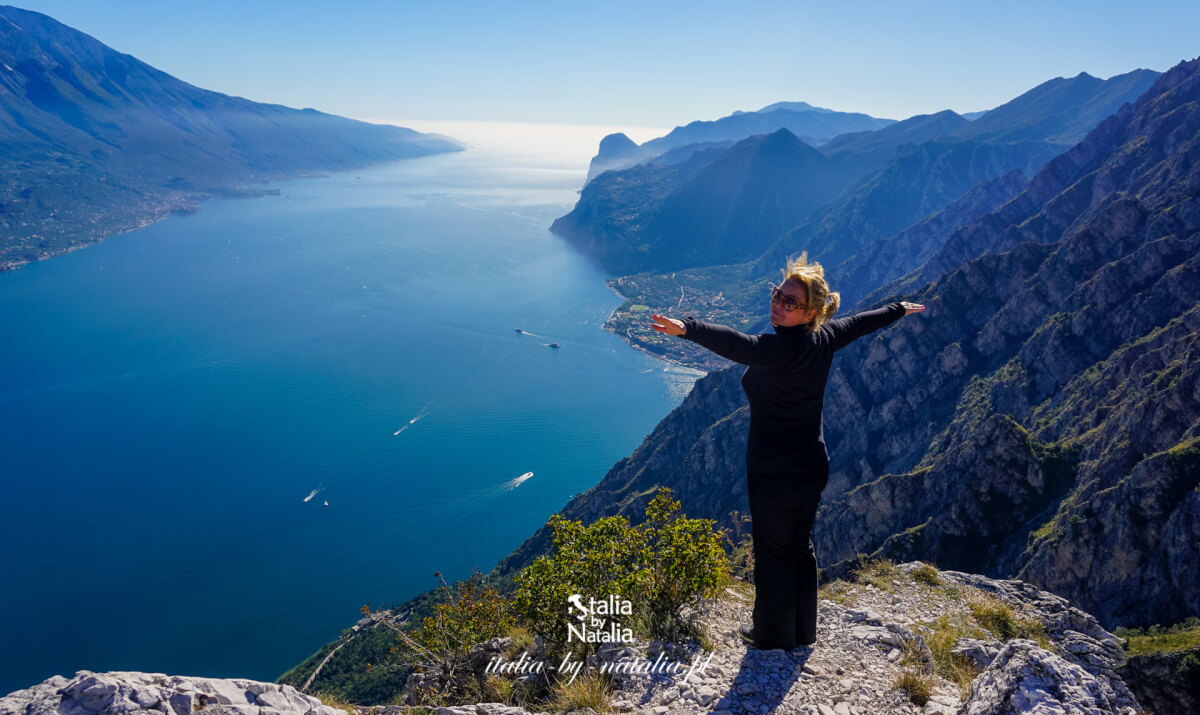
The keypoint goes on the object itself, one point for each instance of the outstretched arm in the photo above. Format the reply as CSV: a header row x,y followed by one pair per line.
x,y
726,342
847,330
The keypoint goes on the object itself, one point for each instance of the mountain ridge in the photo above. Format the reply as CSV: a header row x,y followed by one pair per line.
x,y
98,142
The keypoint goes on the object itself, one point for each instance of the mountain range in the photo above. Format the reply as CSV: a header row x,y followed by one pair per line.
x,y
94,142
874,184
815,125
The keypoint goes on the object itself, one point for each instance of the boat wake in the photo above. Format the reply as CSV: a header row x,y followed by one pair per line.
x,y
423,413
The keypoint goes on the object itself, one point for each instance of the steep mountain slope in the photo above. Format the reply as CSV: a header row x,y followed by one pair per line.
x,y
918,181
93,141
882,261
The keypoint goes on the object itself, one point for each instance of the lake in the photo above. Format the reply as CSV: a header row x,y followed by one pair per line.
x,y
171,396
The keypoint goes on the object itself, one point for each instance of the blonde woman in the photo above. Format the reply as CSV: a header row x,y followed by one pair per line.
x,y
787,465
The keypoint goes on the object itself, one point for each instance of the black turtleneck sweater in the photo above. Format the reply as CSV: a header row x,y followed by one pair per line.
x,y
785,383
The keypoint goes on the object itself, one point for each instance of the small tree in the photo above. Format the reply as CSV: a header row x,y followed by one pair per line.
x,y
658,566
439,648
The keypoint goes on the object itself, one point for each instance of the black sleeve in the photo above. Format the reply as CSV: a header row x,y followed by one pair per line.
x,y
846,330
765,350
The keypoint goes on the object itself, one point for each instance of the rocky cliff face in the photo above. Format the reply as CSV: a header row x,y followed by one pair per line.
x,y
881,262
1165,682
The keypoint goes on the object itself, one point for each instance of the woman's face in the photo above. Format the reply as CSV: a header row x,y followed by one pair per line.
x,y
781,316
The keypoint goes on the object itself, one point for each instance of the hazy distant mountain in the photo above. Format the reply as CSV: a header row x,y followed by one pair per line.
x,y
94,141
1060,110
814,125
914,129
794,107
871,150
892,177
714,206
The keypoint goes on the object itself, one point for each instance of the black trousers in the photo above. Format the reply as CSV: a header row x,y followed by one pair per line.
x,y
782,509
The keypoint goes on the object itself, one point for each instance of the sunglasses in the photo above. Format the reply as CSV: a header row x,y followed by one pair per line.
x,y
785,301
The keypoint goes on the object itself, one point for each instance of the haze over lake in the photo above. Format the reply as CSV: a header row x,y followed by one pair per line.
x,y
170,397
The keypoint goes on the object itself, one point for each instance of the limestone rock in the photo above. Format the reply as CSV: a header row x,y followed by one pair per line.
x,y
127,693
1025,678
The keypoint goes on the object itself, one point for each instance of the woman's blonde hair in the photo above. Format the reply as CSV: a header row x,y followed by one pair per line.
x,y
812,275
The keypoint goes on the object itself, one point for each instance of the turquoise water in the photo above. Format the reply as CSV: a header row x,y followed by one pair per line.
x,y
169,397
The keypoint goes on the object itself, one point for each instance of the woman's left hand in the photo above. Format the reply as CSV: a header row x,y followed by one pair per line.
x,y
910,308
670,326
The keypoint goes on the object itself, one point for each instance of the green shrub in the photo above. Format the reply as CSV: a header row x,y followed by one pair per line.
x,y
658,566
471,615
740,546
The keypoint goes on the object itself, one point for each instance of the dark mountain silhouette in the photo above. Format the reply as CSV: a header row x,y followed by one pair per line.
x,y
95,141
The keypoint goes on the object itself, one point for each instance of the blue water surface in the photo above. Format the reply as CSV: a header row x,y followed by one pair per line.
x,y
169,397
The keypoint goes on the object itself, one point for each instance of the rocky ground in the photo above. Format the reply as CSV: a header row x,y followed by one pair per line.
x,y
869,636
883,647
93,693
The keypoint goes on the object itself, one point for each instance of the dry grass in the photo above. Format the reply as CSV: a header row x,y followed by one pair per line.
x,y
879,573
1003,622
522,641
918,686
589,690
497,690
838,591
927,575
334,701
942,636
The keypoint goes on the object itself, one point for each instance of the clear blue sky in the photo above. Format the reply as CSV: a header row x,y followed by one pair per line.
x,y
647,63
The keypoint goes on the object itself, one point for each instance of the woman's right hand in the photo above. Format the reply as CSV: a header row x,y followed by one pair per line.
x,y
670,326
